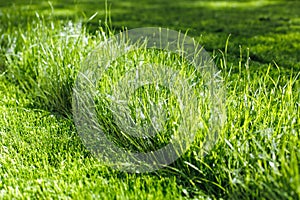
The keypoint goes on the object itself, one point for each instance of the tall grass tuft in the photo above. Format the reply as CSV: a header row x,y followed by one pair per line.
x,y
43,58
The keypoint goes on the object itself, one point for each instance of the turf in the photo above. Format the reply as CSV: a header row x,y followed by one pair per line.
x,y
257,154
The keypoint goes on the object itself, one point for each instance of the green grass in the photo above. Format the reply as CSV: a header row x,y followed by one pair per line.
x,y
257,155
269,28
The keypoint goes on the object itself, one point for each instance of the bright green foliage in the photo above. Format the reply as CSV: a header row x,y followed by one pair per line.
x,y
257,155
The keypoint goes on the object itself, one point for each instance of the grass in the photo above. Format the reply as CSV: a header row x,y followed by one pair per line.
x,y
269,28
257,153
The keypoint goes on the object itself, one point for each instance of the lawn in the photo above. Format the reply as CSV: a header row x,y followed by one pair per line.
x,y
255,47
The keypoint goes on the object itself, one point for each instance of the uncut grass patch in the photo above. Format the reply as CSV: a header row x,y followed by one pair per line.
x,y
43,58
153,110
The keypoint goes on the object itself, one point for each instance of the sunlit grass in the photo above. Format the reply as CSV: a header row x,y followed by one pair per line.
x,y
230,4
41,156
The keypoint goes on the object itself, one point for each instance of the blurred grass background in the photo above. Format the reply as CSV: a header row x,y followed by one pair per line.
x,y
270,29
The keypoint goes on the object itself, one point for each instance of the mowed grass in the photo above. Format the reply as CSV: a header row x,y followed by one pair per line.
x,y
256,156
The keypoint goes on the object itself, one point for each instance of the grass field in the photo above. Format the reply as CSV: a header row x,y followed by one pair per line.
x,y
255,45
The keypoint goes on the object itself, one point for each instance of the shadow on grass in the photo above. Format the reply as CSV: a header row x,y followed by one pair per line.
x,y
269,28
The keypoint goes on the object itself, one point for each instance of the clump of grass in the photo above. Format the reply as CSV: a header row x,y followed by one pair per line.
x,y
43,57
146,103
172,94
